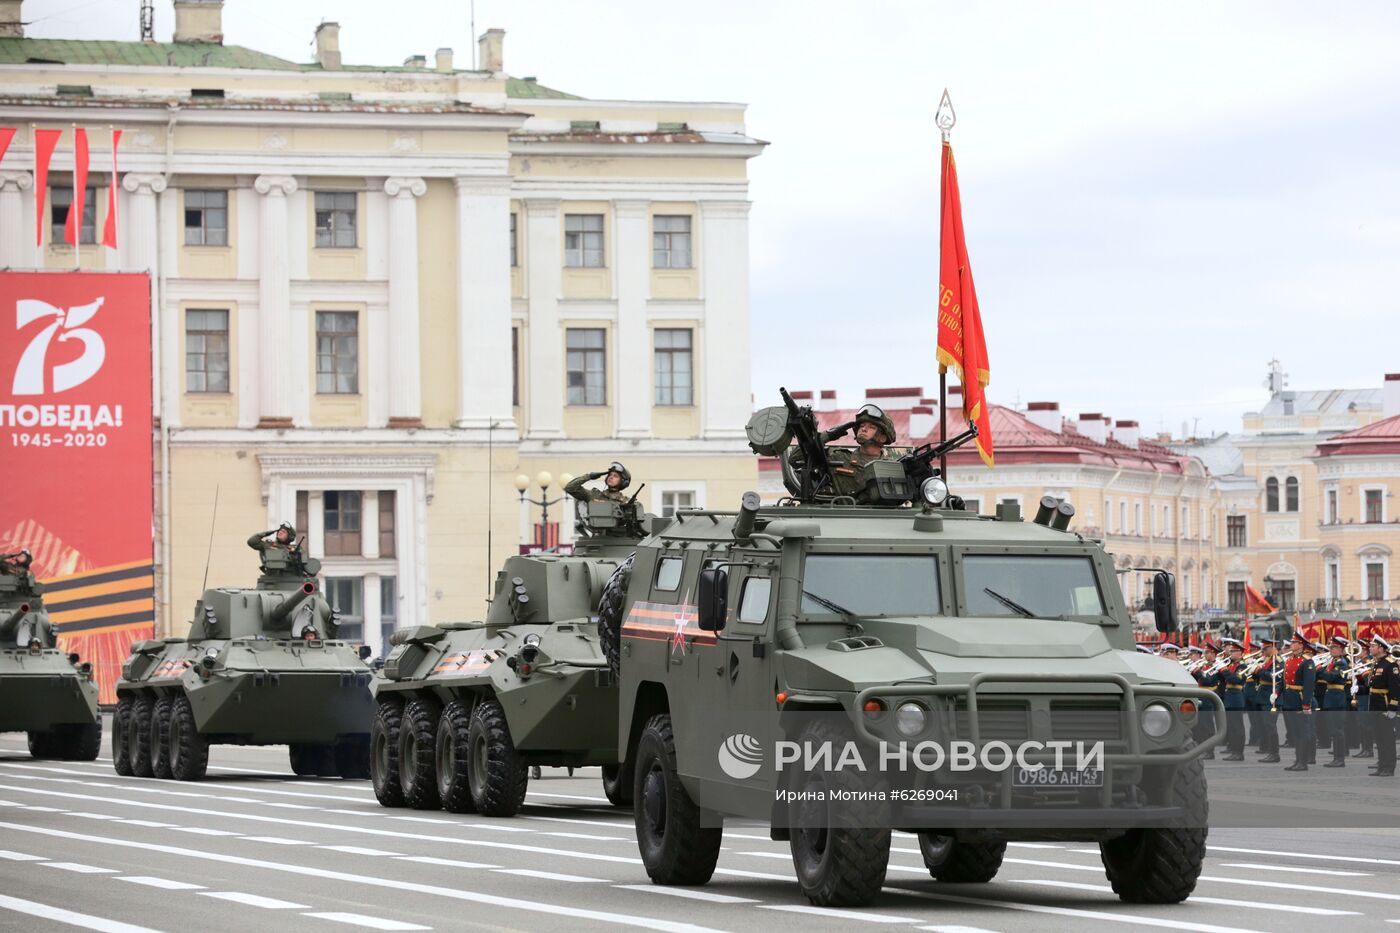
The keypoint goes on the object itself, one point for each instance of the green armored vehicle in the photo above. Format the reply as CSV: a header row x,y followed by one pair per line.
x,y
260,666
465,709
839,666
43,692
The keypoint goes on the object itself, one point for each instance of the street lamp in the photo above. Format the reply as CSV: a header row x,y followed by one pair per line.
x,y
543,480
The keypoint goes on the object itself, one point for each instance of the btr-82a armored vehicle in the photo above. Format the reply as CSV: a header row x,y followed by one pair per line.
x,y
803,664
43,691
260,666
466,708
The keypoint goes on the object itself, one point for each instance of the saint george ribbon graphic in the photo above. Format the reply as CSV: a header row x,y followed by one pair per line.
x,y
684,613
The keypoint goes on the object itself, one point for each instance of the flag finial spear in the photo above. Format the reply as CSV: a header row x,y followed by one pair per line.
x,y
945,118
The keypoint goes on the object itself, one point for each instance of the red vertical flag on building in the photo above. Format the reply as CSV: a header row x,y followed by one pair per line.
x,y
109,227
45,141
73,228
7,133
961,345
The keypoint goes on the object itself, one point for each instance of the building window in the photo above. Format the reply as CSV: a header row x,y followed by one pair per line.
x,y
1107,515
583,241
1290,494
342,523
206,351
673,376
337,352
1375,580
587,365
1137,518
335,219
1285,594
1166,521
60,199
1334,580
206,218
1333,509
1375,505
1122,518
1185,529
1202,526
673,501
515,366
1271,495
347,596
386,523
514,240
670,241
388,609
1234,531
1235,589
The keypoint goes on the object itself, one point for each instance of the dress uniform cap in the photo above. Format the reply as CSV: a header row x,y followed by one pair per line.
x,y
1377,640
1340,640
1195,649
1232,643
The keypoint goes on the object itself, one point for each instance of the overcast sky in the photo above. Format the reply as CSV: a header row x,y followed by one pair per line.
x,y
1159,198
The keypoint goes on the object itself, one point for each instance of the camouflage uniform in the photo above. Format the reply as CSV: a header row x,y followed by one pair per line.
x,y
578,490
846,462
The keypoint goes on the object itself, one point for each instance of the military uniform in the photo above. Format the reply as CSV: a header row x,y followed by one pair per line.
x,y
576,487
1361,705
1205,724
277,558
846,462
1266,717
1385,699
1295,701
1333,685
1231,688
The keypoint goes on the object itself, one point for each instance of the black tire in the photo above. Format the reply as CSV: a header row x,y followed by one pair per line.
x,y
960,862
1161,865
42,744
676,848
839,850
160,738
351,756
452,752
305,758
611,606
417,747
384,752
121,722
83,741
326,763
188,750
139,743
617,785
497,776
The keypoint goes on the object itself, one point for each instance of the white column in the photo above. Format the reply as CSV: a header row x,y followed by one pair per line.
x,y
483,303
315,520
405,384
16,243
140,239
275,364
632,258
369,524
543,264
726,390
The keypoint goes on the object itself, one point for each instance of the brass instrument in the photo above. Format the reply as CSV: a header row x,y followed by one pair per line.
x,y
1356,670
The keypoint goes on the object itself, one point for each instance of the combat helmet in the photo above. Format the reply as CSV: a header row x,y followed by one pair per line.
x,y
622,471
875,415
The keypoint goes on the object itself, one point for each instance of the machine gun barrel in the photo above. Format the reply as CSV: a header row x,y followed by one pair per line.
x,y
918,463
804,428
289,605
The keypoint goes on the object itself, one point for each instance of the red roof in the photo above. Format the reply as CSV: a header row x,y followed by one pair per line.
x,y
1382,437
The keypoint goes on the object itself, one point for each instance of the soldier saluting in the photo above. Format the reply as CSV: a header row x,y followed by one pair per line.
x,y
16,563
283,539
874,433
615,479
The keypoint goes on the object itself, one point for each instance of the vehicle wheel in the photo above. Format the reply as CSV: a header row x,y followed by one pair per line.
x,y
839,850
139,743
188,751
610,611
452,752
121,723
302,759
417,745
1161,865
325,757
676,849
384,752
160,738
616,786
497,775
41,744
352,757
960,862
83,741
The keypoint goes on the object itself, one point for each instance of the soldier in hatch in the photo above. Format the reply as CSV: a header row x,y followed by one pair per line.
x,y
874,433
615,479
16,564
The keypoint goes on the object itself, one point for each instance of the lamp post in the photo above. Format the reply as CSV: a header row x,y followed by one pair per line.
x,y
543,479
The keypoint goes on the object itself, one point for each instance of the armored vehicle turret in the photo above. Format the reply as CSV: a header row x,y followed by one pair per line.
x,y
43,691
260,666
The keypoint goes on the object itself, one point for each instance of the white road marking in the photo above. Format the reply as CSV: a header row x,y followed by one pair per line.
x,y
1306,855
1198,899
373,923
93,816
778,855
445,862
45,809
1303,868
956,929
152,824
286,806
365,812
544,875
1096,869
688,893
602,800
21,856
79,868
588,836
254,900
359,850
1033,845
621,824
70,917
861,915
756,875
1292,886
204,831
164,883
277,840
438,821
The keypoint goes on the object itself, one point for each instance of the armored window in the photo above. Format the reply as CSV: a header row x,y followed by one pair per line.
x,y
672,501
342,523
587,366
1234,531
583,241
206,218
670,241
668,573
1045,586
1271,494
336,218
514,240
206,351
347,596
837,585
1375,505
337,352
1375,580
674,367
753,604
60,199
386,522
1235,597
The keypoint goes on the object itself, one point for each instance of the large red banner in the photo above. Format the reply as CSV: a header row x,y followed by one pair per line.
x,y
75,442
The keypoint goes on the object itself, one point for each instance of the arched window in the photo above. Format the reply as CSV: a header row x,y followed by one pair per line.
x,y
1271,495
1290,494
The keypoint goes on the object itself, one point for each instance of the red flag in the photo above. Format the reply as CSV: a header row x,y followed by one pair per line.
x,y
72,228
1246,633
7,133
1254,602
44,143
109,227
961,345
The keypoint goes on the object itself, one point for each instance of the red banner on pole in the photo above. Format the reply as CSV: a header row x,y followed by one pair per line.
x,y
75,438
73,227
45,141
109,227
7,133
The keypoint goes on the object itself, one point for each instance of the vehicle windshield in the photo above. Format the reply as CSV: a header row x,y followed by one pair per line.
x,y
1035,586
871,585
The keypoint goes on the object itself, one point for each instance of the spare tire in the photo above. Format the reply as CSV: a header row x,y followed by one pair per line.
x,y
611,610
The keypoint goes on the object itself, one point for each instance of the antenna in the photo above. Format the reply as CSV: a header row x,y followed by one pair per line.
x,y
210,555
148,24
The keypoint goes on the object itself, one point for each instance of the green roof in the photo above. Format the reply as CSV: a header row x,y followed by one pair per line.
x,y
171,54
520,88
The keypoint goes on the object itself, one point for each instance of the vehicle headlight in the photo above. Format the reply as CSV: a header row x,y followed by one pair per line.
x,y
934,490
1156,720
910,718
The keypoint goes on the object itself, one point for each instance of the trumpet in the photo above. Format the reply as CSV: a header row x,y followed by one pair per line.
x,y
1358,670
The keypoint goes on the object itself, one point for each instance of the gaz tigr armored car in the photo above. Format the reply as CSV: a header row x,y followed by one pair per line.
x,y
759,647
43,691
260,666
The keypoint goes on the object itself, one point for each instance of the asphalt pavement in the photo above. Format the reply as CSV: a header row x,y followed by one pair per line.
x,y
254,847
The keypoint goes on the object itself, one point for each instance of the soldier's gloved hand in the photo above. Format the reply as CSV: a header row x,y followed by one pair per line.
x,y
599,474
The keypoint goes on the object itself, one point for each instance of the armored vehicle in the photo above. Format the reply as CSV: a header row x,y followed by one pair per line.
x,y
766,653
260,666
465,709
43,691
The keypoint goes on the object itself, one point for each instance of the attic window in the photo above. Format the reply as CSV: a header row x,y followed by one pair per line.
x,y
672,127
75,90
334,95
207,92
584,126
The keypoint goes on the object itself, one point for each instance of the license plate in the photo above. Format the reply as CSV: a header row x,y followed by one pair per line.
x,y
1049,777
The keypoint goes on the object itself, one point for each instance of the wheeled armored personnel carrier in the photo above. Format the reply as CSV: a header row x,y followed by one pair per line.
x,y
260,666
43,691
465,709
803,664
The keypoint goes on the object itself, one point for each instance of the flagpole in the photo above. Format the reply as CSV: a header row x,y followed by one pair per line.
x,y
945,118
81,205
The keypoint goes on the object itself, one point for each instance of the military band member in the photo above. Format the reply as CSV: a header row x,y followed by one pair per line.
x,y
1385,689
1361,705
615,478
1265,699
1232,695
1205,724
1295,700
1333,686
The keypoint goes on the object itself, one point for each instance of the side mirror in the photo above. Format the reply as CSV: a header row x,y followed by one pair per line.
x,y
1164,602
365,652
714,599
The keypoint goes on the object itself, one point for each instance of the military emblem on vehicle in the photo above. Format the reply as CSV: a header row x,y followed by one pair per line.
x,y
740,756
